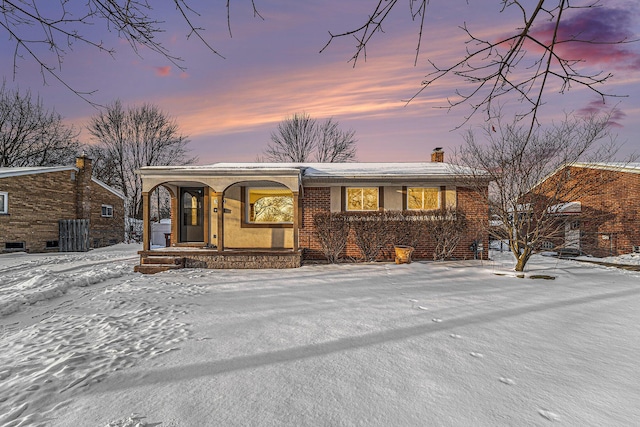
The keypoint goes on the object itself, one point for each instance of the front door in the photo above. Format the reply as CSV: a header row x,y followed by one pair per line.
x,y
191,214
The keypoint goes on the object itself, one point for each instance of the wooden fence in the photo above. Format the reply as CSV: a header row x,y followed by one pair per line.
x,y
74,235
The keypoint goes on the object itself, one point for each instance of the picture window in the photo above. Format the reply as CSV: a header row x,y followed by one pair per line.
x,y
269,206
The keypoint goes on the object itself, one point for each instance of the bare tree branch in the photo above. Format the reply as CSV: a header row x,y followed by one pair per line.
x,y
524,64
59,25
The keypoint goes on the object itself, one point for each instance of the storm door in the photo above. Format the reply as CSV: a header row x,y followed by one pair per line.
x,y
191,214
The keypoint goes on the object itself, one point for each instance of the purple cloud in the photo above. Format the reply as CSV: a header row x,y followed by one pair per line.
x,y
594,35
599,107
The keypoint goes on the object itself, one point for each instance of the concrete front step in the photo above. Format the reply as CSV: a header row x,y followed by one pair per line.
x,y
155,268
159,259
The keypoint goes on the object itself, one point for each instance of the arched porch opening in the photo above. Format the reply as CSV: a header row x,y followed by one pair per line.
x,y
180,192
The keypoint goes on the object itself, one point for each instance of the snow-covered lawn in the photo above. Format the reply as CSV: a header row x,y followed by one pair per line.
x,y
87,342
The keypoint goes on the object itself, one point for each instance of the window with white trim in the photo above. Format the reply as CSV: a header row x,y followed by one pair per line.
x,y
269,206
4,202
423,198
107,211
362,198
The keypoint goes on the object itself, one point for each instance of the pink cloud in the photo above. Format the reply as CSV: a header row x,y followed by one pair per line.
x,y
163,71
594,35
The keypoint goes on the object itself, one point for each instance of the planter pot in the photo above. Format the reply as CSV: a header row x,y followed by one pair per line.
x,y
403,254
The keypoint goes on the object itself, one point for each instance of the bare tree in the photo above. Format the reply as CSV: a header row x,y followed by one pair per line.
x,y
526,63
300,138
334,145
527,191
128,139
31,135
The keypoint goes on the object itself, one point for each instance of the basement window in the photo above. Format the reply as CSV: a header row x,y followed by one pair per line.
x,y
4,203
14,246
52,244
107,211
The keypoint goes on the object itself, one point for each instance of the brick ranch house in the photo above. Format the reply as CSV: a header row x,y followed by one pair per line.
x,y
34,200
603,218
220,220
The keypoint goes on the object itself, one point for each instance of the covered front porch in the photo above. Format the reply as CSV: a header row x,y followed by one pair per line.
x,y
224,217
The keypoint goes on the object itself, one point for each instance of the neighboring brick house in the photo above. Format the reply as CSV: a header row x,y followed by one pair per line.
x,y
603,218
33,200
259,210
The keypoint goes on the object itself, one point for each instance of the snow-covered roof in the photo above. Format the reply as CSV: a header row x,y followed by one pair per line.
x,y
7,172
566,208
612,166
330,170
20,171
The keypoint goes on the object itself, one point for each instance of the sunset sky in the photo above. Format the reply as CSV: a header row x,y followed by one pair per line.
x,y
273,68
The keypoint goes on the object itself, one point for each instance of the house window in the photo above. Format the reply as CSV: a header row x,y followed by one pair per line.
x,y
4,202
14,246
362,198
52,244
419,198
192,213
269,206
547,245
107,211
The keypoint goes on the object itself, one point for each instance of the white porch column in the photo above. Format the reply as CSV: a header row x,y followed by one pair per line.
x,y
220,240
146,225
296,221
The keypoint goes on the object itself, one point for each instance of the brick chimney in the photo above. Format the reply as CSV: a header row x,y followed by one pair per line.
x,y
83,187
437,155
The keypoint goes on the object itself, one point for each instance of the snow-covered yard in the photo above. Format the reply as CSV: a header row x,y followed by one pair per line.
x,y
87,342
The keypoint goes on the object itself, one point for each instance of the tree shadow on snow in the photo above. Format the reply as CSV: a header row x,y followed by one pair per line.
x,y
213,368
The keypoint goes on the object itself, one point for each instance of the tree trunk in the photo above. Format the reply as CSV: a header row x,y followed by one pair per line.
x,y
522,259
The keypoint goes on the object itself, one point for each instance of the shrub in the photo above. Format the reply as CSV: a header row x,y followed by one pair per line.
x,y
408,228
372,231
446,228
332,231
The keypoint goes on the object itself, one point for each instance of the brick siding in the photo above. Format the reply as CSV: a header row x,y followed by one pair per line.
x,y
318,199
314,200
618,203
38,201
